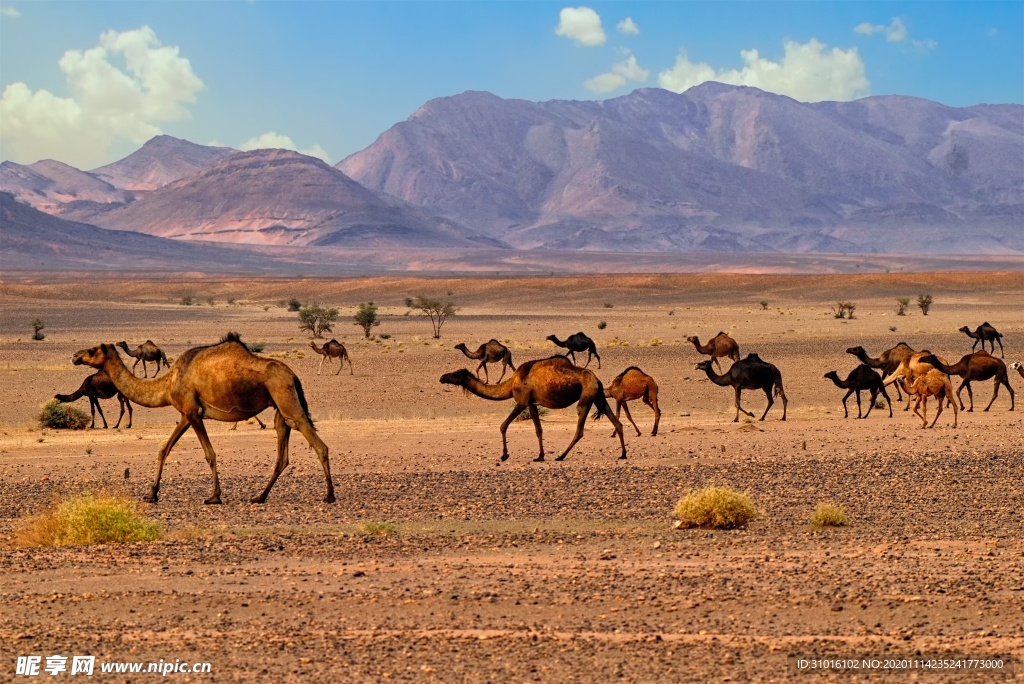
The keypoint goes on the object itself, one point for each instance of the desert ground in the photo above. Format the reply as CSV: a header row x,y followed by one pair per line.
x,y
522,571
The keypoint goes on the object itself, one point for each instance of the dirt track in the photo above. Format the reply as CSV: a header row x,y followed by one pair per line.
x,y
526,571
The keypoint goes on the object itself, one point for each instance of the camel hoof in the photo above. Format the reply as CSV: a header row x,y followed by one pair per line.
x,y
504,457
622,457
541,458
561,458
213,500
258,500
329,498
151,498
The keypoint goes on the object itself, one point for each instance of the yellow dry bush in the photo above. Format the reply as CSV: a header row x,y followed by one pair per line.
x,y
827,514
379,529
62,416
715,507
88,519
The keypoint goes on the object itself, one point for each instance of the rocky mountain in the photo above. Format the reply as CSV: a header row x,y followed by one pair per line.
x,y
279,197
717,168
160,161
48,185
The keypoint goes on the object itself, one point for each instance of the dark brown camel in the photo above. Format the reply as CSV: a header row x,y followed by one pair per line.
x,y
750,373
492,352
631,384
887,362
552,383
977,366
721,345
333,350
863,377
578,343
225,382
98,386
147,351
985,333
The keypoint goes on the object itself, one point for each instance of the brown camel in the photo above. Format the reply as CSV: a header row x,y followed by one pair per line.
x,y
98,386
225,382
578,343
985,333
552,383
259,422
887,362
1019,367
977,366
631,384
718,346
147,351
934,383
333,350
492,352
863,377
750,373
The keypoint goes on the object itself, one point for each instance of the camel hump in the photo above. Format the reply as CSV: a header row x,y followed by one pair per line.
x,y
753,357
231,337
722,332
151,342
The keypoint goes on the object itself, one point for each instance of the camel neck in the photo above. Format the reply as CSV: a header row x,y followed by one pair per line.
x,y
149,393
492,392
838,383
722,380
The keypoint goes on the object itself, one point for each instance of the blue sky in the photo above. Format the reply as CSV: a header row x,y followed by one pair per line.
x,y
87,82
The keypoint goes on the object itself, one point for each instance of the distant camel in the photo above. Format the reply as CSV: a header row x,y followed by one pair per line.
x,y
631,384
552,383
863,377
985,333
147,351
578,343
750,373
1019,367
98,386
887,362
977,366
934,383
718,346
333,350
258,422
492,352
225,382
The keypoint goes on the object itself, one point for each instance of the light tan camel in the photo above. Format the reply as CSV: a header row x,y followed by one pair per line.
x,y
977,366
147,351
98,386
333,350
887,362
934,383
908,370
492,352
631,384
721,345
225,382
552,383
1019,367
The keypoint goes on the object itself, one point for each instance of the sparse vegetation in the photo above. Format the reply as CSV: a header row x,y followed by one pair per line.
x,y
602,325
187,300
210,301
37,327
609,305
88,519
256,347
525,413
436,310
925,303
385,336
844,310
901,305
715,507
892,328
294,304
379,529
764,304
828,515
366,318
63,416
317,319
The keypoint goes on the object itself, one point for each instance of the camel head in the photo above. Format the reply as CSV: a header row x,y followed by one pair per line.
x,y
831,375
94,357
964,329
461,346
857,351
553,338
693,339
123,345
704,366
1016,365
459,377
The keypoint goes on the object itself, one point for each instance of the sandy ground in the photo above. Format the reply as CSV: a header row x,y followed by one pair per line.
x,y
525,571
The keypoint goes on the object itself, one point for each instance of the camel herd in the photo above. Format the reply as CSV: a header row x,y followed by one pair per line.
x,y
227,382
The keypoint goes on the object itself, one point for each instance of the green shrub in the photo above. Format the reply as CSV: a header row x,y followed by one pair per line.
x,y
88,519
764,304
366,318
379,529
256,347
37,327
294,304
901,305
828,515
602,325
925,302
60,416
716,508
187,300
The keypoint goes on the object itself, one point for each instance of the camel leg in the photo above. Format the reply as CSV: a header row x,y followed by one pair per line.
x,y
516,410
718,364
858,404
1000,341
966,383
535,415
938,412
283,433
145,373
487,375
598,357
504,367
922,416
785,402
846,412
738,407
157,368
211,457
290,408
321,366
768,394
651,399
887,400
260,422
874,395
351,371
120,401
582,410
176,434
625,407
618,407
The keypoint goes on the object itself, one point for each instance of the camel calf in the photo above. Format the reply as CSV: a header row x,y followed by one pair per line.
x,y
631,384
934,383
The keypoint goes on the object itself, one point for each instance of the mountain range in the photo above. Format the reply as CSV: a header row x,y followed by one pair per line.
x,y
715,169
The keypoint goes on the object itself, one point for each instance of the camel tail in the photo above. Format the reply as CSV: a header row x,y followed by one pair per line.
x,y
302,400
601,407
778,383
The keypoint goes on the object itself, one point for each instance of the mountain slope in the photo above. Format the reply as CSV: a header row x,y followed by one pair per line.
x,y
160,161
47,185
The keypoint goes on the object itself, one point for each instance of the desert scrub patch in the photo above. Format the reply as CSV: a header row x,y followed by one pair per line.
x,y
256,347
379,529
828,514
54,414
88,519
716,508
525,413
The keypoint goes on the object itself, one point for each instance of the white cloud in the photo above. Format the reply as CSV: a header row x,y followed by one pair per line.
x,y
273,140
628,26
9,12
895,32
107,103
620,74
582,25
809,72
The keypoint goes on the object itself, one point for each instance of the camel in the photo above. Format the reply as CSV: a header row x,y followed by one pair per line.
x,y
908,371
718,346
333,350
578,343
887,361
750,373
631,384
934,383
259,422
147,351
983,333
553,383
492,352
1019,367
98,386
977,366
224,382
863,377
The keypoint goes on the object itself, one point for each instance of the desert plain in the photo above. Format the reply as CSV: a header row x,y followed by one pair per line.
x,y
521,571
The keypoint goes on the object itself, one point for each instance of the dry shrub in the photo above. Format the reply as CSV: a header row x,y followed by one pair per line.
x,y
715,507
379,529
88,519
63,416
827,514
